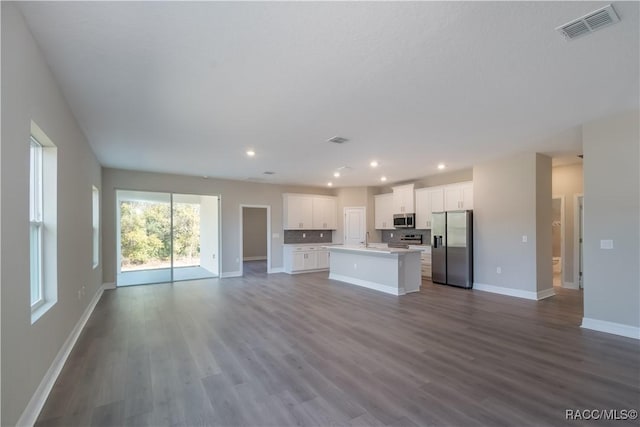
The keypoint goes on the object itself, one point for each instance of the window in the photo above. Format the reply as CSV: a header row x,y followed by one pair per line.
x,y
43,223
36,224
96,227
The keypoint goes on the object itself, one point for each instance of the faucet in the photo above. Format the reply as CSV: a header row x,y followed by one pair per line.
x,y
366,240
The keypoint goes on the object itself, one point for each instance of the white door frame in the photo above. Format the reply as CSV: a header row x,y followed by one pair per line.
x,y
268,236
562,255
344,222
576,239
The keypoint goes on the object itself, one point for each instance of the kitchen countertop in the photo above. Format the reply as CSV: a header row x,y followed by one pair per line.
x,y
373,249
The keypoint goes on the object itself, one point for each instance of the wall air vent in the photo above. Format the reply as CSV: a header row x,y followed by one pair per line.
x,y
337,140
589,23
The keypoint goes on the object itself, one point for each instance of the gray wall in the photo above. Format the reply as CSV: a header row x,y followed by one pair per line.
x,y
567,181
611,211
506,196
232,195
29,92
254,233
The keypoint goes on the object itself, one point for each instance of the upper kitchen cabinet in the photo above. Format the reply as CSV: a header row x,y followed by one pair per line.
x,y
383,211
310,212
403,199
428,200
458,196
325,213
298,211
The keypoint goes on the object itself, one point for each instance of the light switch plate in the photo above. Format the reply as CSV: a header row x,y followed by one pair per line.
x,y
275,236
606,244
524,238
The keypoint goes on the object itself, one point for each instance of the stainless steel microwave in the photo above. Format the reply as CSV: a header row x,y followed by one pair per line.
x,y
404,221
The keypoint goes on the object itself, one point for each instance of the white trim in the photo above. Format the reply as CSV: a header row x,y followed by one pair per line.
x,y
545,293
563,259
312,270
109,285
367,284
570,285
241,251
254,258
231,274
35,405
275,270
611,328
576,240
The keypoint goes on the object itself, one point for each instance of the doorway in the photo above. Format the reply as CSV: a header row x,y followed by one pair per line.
x,y
255,242
355,226
166,237
557,239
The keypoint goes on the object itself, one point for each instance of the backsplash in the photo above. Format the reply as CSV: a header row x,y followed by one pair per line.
x,y
308,236
386,235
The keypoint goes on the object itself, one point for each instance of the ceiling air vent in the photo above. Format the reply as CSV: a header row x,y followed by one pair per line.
x,y
268,173
589,23
337,140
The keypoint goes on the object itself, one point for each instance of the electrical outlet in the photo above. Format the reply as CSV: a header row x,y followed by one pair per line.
x,y
321,234
79,293
213,256
391,235
355,266
237,260
606,244
499,270
524,238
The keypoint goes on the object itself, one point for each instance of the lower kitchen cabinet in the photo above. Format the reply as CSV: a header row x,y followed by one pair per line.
x,y
305,258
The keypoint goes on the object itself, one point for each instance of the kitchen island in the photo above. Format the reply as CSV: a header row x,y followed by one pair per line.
x,y
394,271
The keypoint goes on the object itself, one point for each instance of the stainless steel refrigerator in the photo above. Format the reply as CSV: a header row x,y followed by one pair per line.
x,y
452,248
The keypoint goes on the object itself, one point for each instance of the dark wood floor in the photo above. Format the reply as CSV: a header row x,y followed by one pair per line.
x,y
283,350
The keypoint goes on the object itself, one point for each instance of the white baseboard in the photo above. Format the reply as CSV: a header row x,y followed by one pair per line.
x,y
545,293
611,328
35,405
367,284
518,293
254,258
570,285
228,274
110,285
276,270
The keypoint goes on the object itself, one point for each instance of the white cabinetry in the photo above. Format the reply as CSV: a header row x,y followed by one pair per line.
x,y
428,200
458,196
309,212
325,213
403,199
298,211
383,211
303,258
323,259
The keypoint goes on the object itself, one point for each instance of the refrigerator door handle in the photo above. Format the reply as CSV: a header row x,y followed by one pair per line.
x,y
435,242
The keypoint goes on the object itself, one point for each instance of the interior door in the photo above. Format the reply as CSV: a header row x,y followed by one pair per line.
x,y
355,226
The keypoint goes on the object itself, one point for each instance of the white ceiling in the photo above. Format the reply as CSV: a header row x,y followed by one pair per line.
x,y
187,87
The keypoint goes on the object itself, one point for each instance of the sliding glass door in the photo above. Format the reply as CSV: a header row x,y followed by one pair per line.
x,y
164,237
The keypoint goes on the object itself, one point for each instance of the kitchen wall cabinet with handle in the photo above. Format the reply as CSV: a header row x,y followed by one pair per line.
x,y
309,212
383,211
403,199
304,259
458,196
325,213
428,200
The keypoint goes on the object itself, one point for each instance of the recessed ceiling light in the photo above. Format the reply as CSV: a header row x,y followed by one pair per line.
x,y
374,164
330,184
383,178
251,153
336,174
441,166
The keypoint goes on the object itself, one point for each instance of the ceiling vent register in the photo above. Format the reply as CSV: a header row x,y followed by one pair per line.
x,y
589,23
337,140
